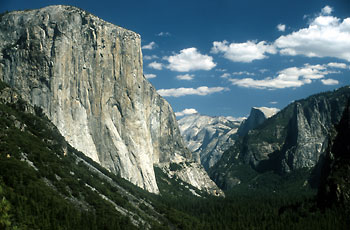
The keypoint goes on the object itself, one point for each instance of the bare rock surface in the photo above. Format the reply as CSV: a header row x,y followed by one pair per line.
x,y
87,76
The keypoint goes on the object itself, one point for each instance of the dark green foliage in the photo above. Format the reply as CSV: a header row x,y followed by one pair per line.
x,y
173,188
3,85
175,167
5,207
54,192
270,202
47,184
335,182
271,146
248,210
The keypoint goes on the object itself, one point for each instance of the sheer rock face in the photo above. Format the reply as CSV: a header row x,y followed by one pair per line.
x,y
294,138
256,117
334,188
86,75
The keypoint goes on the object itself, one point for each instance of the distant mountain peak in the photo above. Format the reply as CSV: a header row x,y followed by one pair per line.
x,y
293,139
208,137
256,117
268,111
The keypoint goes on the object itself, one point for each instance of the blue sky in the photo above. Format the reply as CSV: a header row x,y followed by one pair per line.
x,y
223,57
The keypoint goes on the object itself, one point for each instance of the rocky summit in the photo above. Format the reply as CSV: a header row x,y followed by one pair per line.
x,y
208,137
256,117
293,139
86,74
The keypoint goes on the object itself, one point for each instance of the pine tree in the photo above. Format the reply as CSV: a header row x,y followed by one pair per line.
x,y
5,220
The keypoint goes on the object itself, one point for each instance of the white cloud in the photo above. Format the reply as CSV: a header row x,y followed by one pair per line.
x,y
326,36
273,102
243,52
225,75
330,81
188,60
327,10
337,65
179,92
243,73
186,112
148,57
149,76
267,83
281,27
287,78
164,34
156,65
149,46
187,77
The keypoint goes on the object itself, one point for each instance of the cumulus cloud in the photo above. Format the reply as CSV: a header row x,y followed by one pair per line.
x,y
337,65
187,77
150,57
186,112
326,36
281,27
329,81
287,78
327,10
188,60
149,46
243,52
149,76
179,92
156,65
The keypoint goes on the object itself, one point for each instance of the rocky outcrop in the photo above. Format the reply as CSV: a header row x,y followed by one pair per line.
x,y
208,137
194,174
86,74
294,138
256,117
334,188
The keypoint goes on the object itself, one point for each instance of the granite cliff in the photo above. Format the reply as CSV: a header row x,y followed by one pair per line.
x,y
86,74
293,139
208,137
256,117
334,188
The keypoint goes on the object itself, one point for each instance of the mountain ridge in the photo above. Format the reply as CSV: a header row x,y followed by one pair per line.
x,y
208,137
86,75
256,117
294,138
47,184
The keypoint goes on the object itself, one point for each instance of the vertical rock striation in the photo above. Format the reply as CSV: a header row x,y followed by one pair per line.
x,y
294,138
208,137
86,74
334,188
256,117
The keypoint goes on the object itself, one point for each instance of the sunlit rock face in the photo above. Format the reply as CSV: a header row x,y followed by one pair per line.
x,y
256,117
208,137
86,74
294,138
